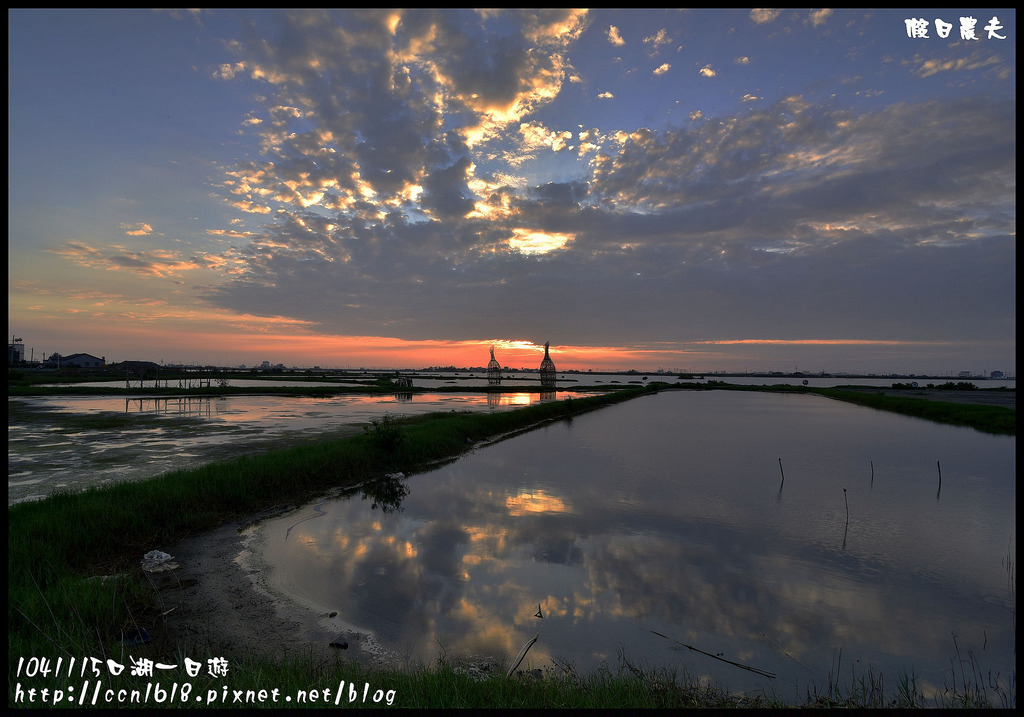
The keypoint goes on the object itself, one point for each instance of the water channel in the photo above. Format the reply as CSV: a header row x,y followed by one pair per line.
x,y
809,539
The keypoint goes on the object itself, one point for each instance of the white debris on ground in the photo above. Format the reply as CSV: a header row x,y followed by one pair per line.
x,y
156,561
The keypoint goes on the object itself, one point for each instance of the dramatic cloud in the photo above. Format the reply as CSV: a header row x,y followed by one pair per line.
x,y
460,175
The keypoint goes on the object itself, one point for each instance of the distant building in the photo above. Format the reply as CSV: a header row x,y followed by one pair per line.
x,y
15,353
75,361
493,370
84,361
547,368
997,374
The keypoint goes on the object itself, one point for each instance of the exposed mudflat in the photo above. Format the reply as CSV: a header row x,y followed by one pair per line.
x,y
215,607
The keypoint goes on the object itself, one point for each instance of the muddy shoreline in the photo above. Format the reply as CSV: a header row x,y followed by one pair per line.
x,y
214,604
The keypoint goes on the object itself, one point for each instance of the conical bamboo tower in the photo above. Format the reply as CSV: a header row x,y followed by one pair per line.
x,y
493,370
547,368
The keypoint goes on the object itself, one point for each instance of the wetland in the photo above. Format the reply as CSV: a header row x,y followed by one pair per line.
x,y
660,530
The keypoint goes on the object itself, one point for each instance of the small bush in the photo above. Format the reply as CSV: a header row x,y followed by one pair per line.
x,y
386,434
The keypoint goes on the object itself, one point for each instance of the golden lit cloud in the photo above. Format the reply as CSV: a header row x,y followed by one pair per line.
x,y
817,18
528,241
658,40
934,66
251,208
763,15
137,230
231,233
537,136
154,262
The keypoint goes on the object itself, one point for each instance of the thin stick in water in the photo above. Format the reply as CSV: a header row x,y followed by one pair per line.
x,y
847,528
783,476
749,668
522,654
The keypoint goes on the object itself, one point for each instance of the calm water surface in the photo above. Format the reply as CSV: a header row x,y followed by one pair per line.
x,y
184,432
665,522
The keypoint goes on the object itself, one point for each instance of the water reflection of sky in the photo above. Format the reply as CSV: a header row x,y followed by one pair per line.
x,y
664,514
44,456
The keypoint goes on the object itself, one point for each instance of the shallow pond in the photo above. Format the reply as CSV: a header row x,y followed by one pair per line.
x,y
62,442
880,544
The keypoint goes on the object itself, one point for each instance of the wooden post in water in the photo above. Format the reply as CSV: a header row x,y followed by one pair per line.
x,y
847,528
783,476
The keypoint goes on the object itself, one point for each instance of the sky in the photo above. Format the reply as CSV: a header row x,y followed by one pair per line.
x,y
684,190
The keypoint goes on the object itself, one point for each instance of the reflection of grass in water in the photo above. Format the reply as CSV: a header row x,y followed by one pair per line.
x,y
968,686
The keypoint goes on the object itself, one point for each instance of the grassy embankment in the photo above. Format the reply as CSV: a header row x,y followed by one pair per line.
x,y
988,419
57,547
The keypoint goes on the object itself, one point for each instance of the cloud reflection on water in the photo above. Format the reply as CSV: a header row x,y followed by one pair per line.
x,y
640,517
